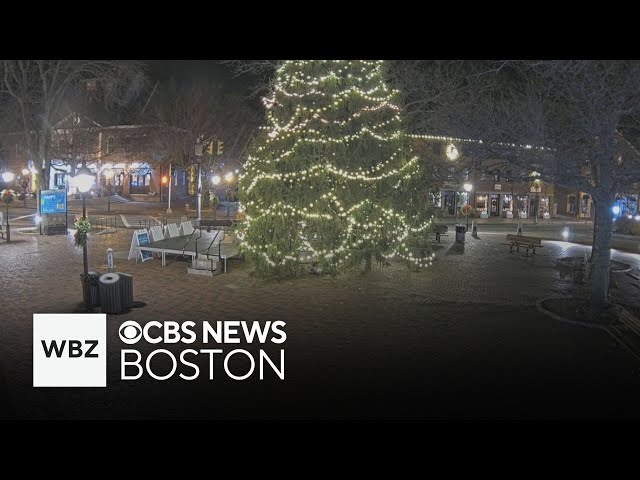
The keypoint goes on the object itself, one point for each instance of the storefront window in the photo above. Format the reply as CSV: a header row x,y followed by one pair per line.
x,y
481,203
523,205
139,183
506,202
571,204
59,179
584,205
544,205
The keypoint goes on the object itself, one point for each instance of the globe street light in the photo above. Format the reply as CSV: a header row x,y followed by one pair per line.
x,y
84,180
8,177
216,179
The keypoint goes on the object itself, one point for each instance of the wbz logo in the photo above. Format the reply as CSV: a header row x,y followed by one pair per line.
x,y
75,348
69,350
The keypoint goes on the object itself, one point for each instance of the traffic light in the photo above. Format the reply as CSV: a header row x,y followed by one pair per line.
x,y
215,147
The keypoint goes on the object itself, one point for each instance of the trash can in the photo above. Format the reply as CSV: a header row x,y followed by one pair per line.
x,y
111,293
460,233
91,289
126,291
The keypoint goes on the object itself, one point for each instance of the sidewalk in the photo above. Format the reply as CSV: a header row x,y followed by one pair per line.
x,y
559,220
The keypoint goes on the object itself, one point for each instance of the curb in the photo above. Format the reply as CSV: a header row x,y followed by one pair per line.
x,y
555,316
611,330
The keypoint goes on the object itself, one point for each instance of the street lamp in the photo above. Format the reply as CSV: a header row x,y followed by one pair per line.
x,y
25,184
467,188
229,179
8,177
108,174
84,180
216,179
164,181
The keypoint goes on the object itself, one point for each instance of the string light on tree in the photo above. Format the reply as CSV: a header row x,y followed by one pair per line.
x,y
331,180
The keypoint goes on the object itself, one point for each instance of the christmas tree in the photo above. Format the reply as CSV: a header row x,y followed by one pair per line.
x,y
329,181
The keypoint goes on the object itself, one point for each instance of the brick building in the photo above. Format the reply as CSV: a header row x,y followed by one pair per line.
x,y
496,190
121,156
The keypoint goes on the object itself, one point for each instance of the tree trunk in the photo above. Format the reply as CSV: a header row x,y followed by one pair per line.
x,y
594,244
601,253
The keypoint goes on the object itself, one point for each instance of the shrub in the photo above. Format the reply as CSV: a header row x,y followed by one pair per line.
x,y
627,226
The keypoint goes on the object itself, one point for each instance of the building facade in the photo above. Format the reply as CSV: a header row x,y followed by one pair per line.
x,y
120,156
495,190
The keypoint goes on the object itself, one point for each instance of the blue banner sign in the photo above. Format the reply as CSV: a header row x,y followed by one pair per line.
x,y
53,201
143,239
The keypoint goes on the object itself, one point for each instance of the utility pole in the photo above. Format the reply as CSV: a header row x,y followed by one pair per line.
x,y
199,150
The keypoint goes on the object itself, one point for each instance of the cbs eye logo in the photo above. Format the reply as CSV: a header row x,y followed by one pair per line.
x,y
130,332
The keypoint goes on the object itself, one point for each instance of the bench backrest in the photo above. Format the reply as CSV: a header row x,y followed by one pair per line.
x,y
187,228
440,228
156,233
523,239
172,230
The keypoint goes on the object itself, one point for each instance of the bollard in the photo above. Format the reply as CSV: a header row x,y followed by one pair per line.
x,y
519,231
109,260
474,229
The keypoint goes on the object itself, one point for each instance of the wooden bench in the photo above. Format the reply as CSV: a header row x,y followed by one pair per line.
x,y
438,230
530,243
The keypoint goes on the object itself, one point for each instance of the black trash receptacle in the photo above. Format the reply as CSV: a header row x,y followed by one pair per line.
x,y
111,293
460,233
91,289
126,291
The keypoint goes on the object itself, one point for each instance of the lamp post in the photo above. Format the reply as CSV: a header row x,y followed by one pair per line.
x,y
84,180
165,180
25,184
467,188
8,177
216,181
170,182
229,179
108,174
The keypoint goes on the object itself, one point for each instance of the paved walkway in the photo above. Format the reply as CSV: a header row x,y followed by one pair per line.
x,y
462,338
